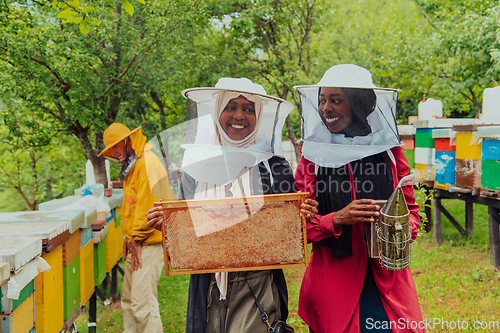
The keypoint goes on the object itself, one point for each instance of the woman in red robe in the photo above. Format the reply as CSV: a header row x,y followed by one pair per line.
x,y
352,157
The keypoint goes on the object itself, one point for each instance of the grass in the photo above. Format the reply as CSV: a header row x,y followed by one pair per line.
x,y
454,280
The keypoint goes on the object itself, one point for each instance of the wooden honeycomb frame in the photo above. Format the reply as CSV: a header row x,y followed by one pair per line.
x,y
175,213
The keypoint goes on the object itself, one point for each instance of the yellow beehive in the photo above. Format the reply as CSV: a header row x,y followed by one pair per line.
x,y
110,245
23,319
468,147
424,172
49,294
86,272
118,214
119,242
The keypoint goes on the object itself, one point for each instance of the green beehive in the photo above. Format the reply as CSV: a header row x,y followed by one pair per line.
x,y
25,293
71,287
490,175
423,138
410,156
99,263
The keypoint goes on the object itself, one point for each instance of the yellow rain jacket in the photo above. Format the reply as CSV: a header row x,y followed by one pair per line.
x,y
145,184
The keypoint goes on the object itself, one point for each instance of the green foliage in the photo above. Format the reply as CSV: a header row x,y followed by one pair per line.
x,y
39,165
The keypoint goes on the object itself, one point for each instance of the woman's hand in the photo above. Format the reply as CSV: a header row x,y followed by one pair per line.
x,y
155,217
309,208
361,210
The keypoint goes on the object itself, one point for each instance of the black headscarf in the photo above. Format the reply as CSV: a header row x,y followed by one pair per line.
x,y
363,102
372,175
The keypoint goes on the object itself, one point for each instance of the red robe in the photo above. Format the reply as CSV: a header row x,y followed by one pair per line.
x,y
332,286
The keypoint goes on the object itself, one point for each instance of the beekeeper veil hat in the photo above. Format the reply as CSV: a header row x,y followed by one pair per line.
x,y
207,153
345,117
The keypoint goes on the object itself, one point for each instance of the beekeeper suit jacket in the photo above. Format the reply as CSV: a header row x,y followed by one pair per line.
x,y
141,190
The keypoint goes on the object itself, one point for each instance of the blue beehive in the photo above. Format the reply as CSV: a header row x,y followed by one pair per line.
x,y
445,167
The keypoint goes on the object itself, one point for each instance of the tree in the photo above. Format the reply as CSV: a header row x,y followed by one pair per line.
x,y
455,60
37,164
81,82
271,40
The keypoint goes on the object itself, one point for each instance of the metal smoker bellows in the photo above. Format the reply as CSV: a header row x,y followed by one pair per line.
x,y
393,233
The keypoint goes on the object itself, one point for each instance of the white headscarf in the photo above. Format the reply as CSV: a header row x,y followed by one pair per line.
x,y
241,185
210,155
222,100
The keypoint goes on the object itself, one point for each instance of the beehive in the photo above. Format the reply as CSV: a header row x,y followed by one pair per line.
x,y
490,157
407,135
444,164
49,294
21,320
85,236
423,138
118,216
86,272
269,232
74,219
468,157
26,292
99,263
53,234
24,278
110,244
468,146
71,286
424,163
19,251
58,204
71,249
119,242
468,173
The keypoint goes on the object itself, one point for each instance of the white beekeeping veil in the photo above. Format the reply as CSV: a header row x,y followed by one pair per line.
x,y
213,157
202,149
345,117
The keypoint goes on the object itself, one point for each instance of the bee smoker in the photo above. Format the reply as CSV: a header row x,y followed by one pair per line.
x,y
372,243
393,232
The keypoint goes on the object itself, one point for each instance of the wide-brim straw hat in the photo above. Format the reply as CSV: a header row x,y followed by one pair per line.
x,y
115,133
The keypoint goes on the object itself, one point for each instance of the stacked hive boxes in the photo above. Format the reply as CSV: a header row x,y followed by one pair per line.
x,y
407,135
444,143
490,157
83,251
114,240
100,233
17,262
64,238
425,150
424,153
69,255
118,227
468,157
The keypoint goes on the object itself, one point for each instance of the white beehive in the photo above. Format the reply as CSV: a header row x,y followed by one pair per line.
x,y
74,218
19,251
491,104
429,109
90,214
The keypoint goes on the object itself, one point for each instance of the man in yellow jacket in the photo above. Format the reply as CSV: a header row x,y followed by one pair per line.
x,y
145,182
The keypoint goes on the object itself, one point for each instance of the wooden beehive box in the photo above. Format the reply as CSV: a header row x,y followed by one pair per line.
x,y
270,234
53,234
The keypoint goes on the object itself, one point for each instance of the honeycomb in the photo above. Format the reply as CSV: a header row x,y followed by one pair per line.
x,y
272,234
